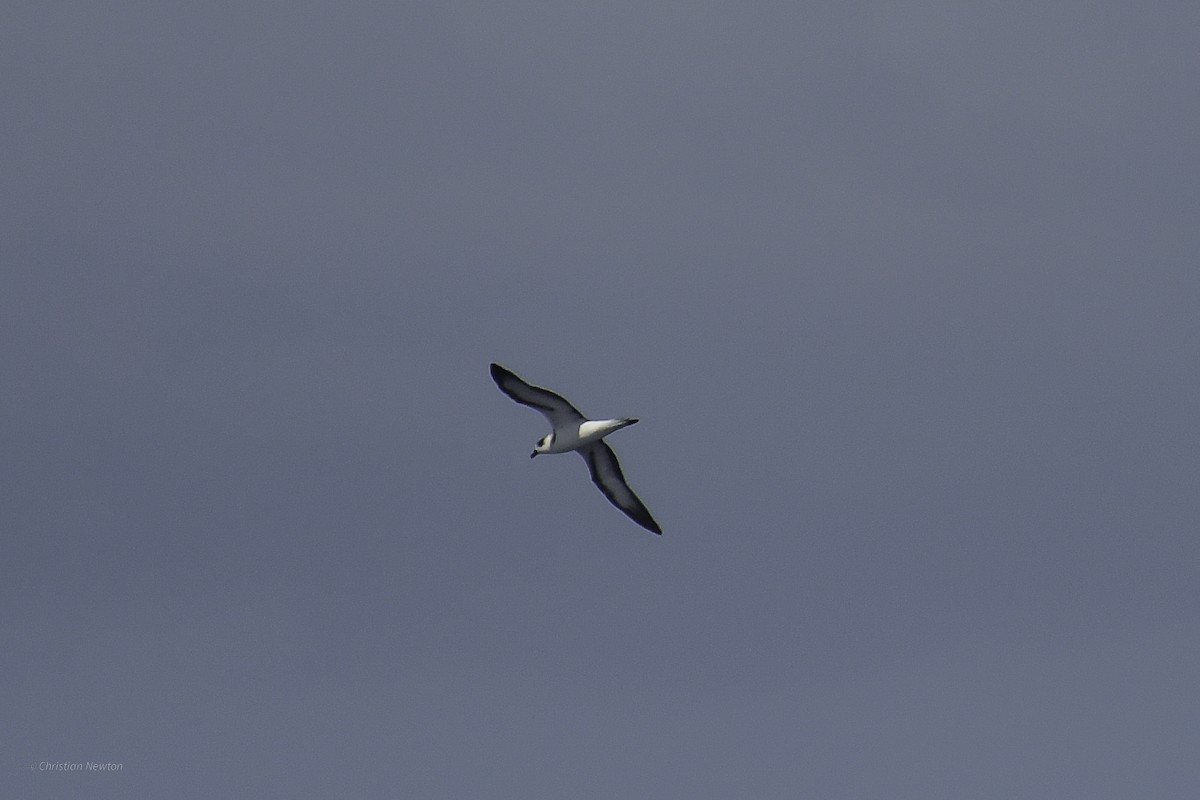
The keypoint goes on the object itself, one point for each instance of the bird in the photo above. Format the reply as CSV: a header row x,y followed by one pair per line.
x,y
573,431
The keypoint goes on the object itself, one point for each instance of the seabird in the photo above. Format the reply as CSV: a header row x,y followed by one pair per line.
x,y
574,431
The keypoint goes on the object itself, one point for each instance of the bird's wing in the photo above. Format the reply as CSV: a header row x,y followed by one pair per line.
x,y
606,474
556,409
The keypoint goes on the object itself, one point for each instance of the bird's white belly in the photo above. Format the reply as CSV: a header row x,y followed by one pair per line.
x,y
566,440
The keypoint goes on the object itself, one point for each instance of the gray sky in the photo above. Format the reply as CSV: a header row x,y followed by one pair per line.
x,y
905,296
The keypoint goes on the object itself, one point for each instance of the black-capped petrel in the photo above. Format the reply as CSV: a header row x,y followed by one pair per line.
x,y
574,431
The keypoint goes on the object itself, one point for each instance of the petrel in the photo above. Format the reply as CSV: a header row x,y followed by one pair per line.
x,y
574,431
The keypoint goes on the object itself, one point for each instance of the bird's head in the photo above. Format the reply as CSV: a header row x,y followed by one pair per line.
x,y
543,444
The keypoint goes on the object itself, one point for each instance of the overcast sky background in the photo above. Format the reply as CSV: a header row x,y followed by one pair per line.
x,y
905,295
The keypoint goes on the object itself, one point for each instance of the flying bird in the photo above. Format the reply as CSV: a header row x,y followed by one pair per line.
x,y
574,431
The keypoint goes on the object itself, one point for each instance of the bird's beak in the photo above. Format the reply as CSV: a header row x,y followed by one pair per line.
x,y
534,453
